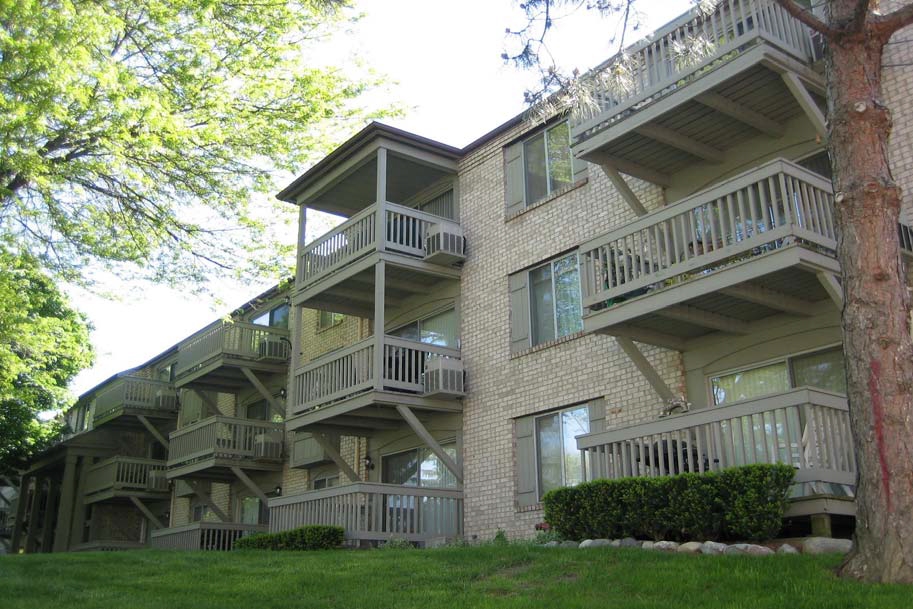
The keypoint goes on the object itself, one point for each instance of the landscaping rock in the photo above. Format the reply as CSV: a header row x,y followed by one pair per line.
x,y
713,547
665,546
628,542
601,543
787,549
826,545
691,547
615,543
748,548
586,543
552,544
569,544
647,545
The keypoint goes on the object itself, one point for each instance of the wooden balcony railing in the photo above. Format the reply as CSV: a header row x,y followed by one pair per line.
x,y
350,371
134,392
125,473
404,231
751,214
374,511
688,47
232,339
204,536
225,438
806,428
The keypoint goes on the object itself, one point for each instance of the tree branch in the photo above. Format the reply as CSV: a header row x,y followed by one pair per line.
x,y
808,19
890,23
859,15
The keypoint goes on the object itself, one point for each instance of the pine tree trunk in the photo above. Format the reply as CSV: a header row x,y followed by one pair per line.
x,y
876,315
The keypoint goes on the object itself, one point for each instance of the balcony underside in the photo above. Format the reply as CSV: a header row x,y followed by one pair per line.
x,y
351,289
116,495
219,469
224,373
371,410
125,417
728,299
720,109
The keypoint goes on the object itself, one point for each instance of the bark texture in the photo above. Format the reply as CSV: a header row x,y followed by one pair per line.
x,y
876,316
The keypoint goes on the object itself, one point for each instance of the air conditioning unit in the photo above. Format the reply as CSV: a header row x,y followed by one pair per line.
x,y
444,244
268,446
157,480
273,348
444,377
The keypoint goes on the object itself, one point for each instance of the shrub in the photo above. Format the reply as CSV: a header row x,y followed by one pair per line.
x,y
314,537
397,543
739,503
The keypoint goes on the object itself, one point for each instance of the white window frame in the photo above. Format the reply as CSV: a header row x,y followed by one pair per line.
x,y
334,320
419,321
551,413
443,443
549,188
529,289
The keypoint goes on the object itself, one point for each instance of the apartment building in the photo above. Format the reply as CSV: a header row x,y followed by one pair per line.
x,y
650,290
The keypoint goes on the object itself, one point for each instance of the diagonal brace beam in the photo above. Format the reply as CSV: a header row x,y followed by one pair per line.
x,y
426,437
147,512
205,498
806,102
152,430
624,190
646,368
264,392
246,481
833,288
331,451
212,409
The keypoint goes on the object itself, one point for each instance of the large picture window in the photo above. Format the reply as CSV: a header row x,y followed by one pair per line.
x,y
554,300
557,458
440,329
547,162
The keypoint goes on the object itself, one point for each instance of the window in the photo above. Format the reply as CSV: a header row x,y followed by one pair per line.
x,y
418,467
539,166
276,317
328,319
822,369
325,482
440,329
200,512
545,303
251,510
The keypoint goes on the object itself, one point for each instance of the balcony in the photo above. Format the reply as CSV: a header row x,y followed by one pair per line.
x,y
211,447
374,512
134,395
700,85
335,271
806,428
746,249
124,477
414,373
203,536
215,355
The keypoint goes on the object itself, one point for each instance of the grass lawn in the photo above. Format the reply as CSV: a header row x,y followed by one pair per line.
x,y
487,576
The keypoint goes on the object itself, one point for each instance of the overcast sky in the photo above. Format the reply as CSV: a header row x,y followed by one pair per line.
x,y
443,60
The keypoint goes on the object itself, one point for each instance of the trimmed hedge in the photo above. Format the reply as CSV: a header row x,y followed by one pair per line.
x,y
744,503
313,537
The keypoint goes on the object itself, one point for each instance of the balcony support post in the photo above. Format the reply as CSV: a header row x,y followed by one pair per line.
x,y
147,513
331,451
23,496
380,220
274,404
79,513
427,438
205,498
646,368
67,504
32,532
48,523
246,481
805,101
379,324
833,288
153,431
624,190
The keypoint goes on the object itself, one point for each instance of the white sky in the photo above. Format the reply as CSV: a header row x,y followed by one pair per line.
x,y
444,60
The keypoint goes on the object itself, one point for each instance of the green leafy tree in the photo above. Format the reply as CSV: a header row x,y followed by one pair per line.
x,y
43,345
137,133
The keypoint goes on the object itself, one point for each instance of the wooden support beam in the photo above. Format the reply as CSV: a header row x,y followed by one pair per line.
x,y
4,499
23,497
833,288
364,423
205,498
379,324
667,136
741,113
769,298
806,102
147,512
67,503
330,450
646,368
209,405
47,524
422,432
78,526
274,404
624,190
153,431
31,534
632,169
706,319
644,335
246,481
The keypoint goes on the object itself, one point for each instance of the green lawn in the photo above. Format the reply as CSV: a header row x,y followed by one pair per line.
x,y
488,576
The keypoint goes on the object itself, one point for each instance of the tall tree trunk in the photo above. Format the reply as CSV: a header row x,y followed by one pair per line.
x,y
876,315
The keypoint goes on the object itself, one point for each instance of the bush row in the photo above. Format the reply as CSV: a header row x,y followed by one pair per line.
x,y
314,537
744,503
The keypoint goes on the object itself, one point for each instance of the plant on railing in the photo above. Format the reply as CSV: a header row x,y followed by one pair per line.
x,y
745,502
312,537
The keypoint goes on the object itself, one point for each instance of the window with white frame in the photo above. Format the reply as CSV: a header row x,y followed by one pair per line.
x,y
440,329
277,317
419,467
558,461
554,300
547,162
328,319
327,481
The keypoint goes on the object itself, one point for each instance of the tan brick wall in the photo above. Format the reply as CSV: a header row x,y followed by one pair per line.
x,y
571,370
315,342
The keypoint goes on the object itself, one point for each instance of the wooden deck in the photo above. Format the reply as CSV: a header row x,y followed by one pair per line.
x,y
135,395
119,477
374,512
218,443
220,536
